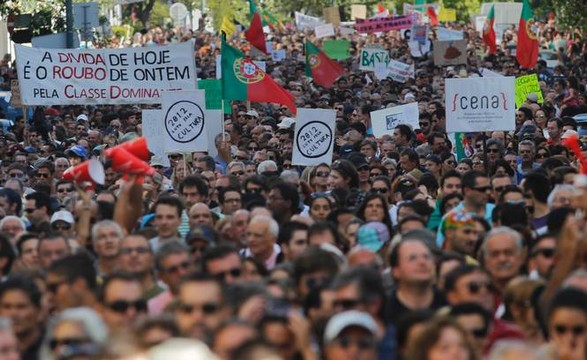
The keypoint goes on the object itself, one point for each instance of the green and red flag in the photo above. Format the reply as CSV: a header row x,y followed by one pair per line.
x,y
489,32
242,80
432,16
320,67
254,34
527,49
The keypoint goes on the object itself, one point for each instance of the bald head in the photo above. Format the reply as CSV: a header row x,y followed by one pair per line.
x,y
200,214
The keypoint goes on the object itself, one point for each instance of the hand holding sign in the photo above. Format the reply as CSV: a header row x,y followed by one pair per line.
x,y
314,136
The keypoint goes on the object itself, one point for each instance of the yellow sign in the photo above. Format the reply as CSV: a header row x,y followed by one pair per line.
x,y
525,85
227,27
447,15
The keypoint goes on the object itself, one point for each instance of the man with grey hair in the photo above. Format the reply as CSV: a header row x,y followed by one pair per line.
x,y
237,168
561,196
267,166
12,226
262,235
513,350
527,152
503,255
106,238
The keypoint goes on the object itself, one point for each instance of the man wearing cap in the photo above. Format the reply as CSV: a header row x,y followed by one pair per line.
x,y
461,235
350,335
251,118
62,223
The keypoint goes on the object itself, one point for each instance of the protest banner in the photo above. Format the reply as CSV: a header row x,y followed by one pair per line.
x,y
331,15
336,49
153,129
307,22
385,120
447,15
344,31
104,76
525,85
325,30
480,104
400,72
444,34
450,52
358,11
184,118
371,56
370,26
314,136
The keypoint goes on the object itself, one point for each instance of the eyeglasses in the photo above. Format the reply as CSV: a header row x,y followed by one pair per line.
x,y
16,175
379,190
482,188
207,308
138,250
62,190
54,343
475,287
175,268
346,304
493,150
546,252
322,174
499,189
234,272
195,248
576,330
363,343
122,306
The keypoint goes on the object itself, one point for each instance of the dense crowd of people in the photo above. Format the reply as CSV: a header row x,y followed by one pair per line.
x,y
397,249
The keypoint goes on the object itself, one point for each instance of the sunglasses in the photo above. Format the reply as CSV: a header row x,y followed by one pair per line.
x,y
238,173
29,210
374,174
479,333
379,190
546,252
73,342
493,150
576,330
207,308
475,287
286,166
234,272
322,174
363,343
482,188
346,304
424,124
175,268
122,306
68,190
16,175
195,248
541,156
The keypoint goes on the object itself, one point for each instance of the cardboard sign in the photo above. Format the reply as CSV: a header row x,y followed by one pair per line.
x,y
384,24
331,15
325,30
447,15
154,131
385,120
525,85
104,76
450,52
480,104
400,72
336,49
371,56
307,22
444,34
278,55
358,11
314,136
184,114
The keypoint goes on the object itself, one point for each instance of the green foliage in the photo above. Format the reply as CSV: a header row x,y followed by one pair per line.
x,y
570,14
159,14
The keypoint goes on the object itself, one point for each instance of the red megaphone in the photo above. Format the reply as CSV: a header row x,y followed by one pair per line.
x,y
126,163
90,170
137,147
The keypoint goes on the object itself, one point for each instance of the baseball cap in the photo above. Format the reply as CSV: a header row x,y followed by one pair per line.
x,y
202,232
286,123
77,150
346,319
373,235
82,117
62,215
252,113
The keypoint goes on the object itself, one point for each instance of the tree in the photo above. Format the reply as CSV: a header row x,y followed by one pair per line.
x,y
570,14
143,11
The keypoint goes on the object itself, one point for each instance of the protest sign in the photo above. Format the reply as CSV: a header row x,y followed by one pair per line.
x,y
314,136
153,128
336,49
307,22
417,49
184,115
450,52
419,34
480,104
444,34
278,55
371,56
331,15
400,72
380,70
104,76
358,11
384,24
344,31
447,15
385,120
525,85
324,31
488,73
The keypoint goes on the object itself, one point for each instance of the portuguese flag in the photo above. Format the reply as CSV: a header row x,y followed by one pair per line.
x,y
489,32
320,67
242,80
254,34
527,50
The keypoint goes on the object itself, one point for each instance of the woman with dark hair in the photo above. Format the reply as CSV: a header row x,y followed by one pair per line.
x,y
448,162
320,206
319,177
343,175
501,167
374,208
465,165
441,339
434,166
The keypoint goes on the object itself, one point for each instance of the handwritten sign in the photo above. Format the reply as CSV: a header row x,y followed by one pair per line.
x,y
104,76
450,52
384,24
385,120
331,15
307,22
184,121
525,85
154,131
444,34
325,30
419,33
372,56
358,11
480,104
446,15
314,136
400,72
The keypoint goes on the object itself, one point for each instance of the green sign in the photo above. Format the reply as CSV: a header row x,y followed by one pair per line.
x,y
337,49
525,85
213,89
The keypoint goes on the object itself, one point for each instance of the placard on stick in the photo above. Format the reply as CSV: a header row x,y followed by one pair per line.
x,y
185,121
385,120
314,137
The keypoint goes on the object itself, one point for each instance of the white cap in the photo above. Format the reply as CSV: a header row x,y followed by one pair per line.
x,y
82,117
343,320
252,113
286,123
62,215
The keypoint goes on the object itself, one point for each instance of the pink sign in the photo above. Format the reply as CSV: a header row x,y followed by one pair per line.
x,y
384,24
